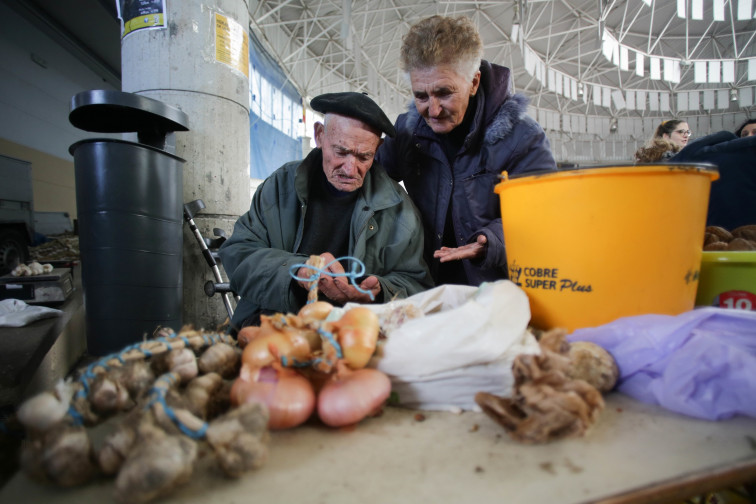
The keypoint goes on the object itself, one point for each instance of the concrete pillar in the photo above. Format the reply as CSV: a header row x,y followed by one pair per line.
x,y
181,66
306,146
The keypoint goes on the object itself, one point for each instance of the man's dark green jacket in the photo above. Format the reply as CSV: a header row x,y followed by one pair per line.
x,y
386,235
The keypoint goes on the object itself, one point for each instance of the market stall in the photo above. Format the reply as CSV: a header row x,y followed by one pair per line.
x,y
457,393
405,455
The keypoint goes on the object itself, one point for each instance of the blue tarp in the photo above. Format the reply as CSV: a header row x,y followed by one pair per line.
x,y
269,147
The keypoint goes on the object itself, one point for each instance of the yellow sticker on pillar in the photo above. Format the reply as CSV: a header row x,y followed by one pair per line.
x,y
231,44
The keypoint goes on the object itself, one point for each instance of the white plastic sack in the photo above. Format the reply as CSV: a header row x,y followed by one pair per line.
x,y
464,344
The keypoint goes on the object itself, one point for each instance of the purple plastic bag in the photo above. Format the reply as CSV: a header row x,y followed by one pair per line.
x,y
701,363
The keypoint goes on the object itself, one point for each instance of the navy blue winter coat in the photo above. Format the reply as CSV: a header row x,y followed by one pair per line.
x,y
733,197
502,137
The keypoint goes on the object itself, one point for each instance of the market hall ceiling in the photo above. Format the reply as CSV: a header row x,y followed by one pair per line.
x,y
568,56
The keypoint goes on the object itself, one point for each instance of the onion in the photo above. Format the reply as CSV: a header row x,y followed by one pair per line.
x,y
318,310
352,395
268,348
247,334
357,333
288,395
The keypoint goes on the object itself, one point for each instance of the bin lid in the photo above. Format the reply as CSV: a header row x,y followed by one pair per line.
x,y
107,111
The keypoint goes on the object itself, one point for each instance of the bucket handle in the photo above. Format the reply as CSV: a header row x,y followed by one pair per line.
x,y
504,176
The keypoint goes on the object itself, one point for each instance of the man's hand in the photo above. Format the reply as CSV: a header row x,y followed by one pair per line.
x,y
339,289
305,272
475,250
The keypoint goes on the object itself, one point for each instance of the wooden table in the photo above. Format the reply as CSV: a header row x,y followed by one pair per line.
x,y
637,453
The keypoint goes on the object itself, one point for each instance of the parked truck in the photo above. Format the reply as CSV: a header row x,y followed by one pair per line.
x,y
16,212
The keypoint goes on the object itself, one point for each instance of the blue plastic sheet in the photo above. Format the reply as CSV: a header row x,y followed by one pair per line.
x,y
701,363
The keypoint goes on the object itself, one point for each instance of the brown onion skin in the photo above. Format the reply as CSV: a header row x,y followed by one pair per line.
x,y
289,396
318,310
352,395
268,348
357,332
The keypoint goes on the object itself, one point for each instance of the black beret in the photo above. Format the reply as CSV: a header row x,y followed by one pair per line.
x,y
357,105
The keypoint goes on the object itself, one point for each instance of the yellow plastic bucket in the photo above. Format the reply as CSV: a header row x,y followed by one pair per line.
x,y
591,245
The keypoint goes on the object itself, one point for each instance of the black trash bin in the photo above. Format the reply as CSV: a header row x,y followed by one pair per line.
x,y
129,198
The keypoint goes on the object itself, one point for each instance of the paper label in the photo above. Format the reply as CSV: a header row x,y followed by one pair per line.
x,y
231,44
737,300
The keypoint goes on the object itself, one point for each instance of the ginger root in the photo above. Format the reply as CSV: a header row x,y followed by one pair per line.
x,y
221,358
240,439
62,455
156,465
547,404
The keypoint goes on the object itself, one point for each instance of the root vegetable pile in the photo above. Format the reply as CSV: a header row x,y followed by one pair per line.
x,y
166,397
551,397
33,269
741,238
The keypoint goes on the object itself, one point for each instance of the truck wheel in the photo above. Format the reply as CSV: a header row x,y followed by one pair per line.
x,y
13,250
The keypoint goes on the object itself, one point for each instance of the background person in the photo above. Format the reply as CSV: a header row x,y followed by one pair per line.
x,y
732,200
676,131
336,202
462,130
656,149
746,129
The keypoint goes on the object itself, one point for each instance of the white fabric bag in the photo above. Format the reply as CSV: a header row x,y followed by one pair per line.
x,y
465,343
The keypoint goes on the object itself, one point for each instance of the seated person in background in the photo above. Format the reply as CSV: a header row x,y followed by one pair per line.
x,y
336,202
655,150
746,129
669,138
732,202
463,129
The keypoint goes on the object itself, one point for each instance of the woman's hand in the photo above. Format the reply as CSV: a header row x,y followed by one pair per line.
x,y
475,250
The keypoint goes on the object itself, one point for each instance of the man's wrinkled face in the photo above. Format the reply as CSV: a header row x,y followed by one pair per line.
x,y
442,95
349,147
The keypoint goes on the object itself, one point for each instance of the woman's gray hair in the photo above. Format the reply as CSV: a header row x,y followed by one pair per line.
x,y
439,40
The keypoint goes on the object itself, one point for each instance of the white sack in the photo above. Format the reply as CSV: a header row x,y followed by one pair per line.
x,y
464,344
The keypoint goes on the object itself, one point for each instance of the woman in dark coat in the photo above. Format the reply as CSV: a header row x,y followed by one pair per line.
x,y
733,197
464,127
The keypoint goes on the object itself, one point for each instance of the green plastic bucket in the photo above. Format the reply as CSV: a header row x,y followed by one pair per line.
x,y
728,280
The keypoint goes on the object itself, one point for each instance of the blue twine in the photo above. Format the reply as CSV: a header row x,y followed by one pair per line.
x,y
295,363
327,335
75,415
358,270
158,396
89,374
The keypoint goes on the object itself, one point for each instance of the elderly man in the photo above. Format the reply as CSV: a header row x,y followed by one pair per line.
x,y
336,202
464,128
